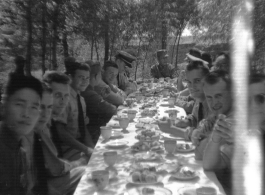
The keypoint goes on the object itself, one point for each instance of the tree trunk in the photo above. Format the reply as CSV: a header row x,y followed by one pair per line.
x,y
172,57
138,52
65,45
92,48
54,37
106,32
43,45
97,48
176,61
29,41
163,27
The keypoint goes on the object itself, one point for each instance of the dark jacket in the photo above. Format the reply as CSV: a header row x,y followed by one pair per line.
x,y
158,71
99,111
14,166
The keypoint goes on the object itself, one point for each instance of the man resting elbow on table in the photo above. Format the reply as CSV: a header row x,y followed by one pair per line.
x,y
69,127
195,72
219,151
217,90
107,89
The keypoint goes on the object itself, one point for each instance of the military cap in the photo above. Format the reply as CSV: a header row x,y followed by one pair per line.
x,y
126,57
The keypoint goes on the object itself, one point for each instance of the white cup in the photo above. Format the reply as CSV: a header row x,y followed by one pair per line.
x,y
170,145
171,101
110,157
106,132
131,114
206,191
100,178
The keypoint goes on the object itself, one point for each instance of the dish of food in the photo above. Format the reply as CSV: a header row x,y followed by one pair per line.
x,y
145,175
147,146
146,120
148,135
149,190
185,173
151,112
117,144
185,147
147,156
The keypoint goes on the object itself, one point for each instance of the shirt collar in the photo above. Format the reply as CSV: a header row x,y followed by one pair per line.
x,y
73,92
9,139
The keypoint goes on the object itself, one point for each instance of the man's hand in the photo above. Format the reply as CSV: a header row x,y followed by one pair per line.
x,y
89,152
196,137
182,123
224,129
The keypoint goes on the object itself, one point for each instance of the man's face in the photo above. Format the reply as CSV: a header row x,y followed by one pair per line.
x,y
22,111
257,104
110,74
45,110
80,80
163,60
194,83
218,97
60,97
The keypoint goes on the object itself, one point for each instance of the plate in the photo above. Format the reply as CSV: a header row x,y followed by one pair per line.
x,y
180,176
159,179
191,190
147,156
117,144
158,190
192,148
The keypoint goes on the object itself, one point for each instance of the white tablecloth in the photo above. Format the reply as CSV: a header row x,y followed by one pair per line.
x,y
119,174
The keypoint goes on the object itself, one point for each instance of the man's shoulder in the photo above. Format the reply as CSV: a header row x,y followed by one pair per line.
x,y
154,66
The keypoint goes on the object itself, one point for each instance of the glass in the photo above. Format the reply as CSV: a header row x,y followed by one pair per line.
x,y
170,146
110,158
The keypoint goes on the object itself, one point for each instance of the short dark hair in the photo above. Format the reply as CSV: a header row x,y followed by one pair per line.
x,y
110,63
57,77
207,57
215,76
71,70
197,65
256,78
195,52
17,82
46,88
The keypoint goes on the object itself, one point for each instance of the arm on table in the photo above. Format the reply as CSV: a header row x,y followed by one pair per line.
x,y
55,165
67,138
88,140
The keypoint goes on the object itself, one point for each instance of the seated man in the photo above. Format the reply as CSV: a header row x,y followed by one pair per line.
x,y
163,69
21,104
98,110
62,176
107,89
219,151
124,61
217,90
222,62
68,124
195,72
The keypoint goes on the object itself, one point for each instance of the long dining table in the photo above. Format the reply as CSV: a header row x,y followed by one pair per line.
x,y
120,172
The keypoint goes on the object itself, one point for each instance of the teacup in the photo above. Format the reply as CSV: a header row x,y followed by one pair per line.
x,y
105,132
170,145
124,122
165,92
171,101
110,158
129,101
100,178
131,114
138,97
206,191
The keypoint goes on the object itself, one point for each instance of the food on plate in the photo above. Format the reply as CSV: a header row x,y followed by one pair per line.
x,y
148,191
185,172
184,146
149,112
147,156
146,120
148,135
144,174
145,146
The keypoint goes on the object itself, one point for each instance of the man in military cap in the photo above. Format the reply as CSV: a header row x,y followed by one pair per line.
x,y
123,59
163,69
